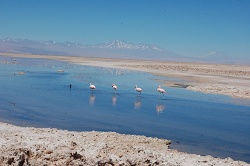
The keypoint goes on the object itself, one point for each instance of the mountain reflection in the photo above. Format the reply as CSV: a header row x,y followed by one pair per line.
x,y
114,72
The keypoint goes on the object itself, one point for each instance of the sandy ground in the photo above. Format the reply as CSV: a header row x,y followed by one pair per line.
x,y
232,80
45,146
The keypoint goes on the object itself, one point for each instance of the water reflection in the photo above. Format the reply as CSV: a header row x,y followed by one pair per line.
x,y
114,99
137,103
159,108
91,99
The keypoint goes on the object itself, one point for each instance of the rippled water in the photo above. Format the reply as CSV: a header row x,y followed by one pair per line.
x,y
195,122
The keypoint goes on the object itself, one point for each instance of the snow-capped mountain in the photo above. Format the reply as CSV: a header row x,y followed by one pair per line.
x,y
114,47
67,44
114,44
111,49
117,44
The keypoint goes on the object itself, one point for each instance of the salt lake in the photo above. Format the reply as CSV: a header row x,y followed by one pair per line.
x,y
198,123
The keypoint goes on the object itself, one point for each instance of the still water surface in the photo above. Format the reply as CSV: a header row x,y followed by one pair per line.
x,y
195,122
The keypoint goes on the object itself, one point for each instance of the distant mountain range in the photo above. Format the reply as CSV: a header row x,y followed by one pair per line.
x,y
117,44
114,44
111,49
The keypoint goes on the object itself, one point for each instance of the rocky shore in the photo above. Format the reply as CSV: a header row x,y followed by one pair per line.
x,y
45,146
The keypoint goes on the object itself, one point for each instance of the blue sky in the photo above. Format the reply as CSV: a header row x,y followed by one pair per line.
x,y
188,27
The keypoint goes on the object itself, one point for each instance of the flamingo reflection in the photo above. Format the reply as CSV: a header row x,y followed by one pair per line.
x,y
137,103
160,108
91,99
114,99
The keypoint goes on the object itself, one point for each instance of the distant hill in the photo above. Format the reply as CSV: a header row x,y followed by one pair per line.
x,y
111,49
221,57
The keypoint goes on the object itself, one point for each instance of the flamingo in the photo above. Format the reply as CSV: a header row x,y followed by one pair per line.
x,y
114,87
161,90
139,90
92,87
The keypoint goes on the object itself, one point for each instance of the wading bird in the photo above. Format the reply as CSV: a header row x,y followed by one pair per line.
x,y
161,90
139,90
114,87
92,87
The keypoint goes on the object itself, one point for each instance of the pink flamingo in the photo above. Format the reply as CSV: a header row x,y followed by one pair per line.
x,y
92,87
161,90
137,89
114,87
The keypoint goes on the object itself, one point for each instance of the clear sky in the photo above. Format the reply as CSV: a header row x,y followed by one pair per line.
x,y
187,27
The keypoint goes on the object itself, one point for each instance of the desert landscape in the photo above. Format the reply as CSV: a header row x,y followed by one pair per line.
x,y
47,146
125,83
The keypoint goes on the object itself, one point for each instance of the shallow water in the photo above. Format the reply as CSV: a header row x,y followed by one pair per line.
x,y
195,122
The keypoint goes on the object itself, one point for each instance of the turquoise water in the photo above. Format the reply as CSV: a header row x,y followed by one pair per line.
x,y
195,122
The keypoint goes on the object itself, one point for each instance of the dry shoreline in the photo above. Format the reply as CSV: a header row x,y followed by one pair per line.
x,y
232,80
46,146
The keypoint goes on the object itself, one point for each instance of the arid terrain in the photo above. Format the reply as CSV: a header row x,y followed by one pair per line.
x,y
44,146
